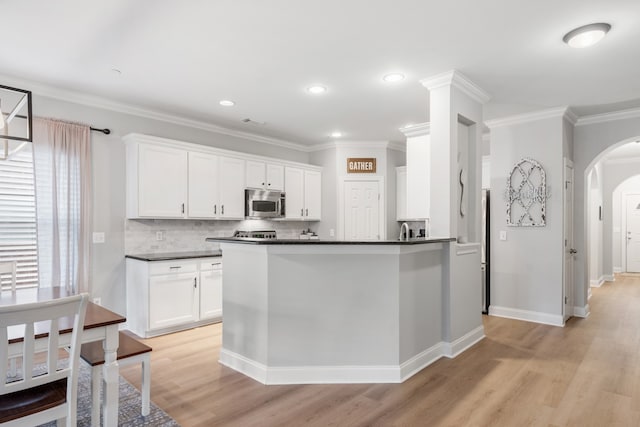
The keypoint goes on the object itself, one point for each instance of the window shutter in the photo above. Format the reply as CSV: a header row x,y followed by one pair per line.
x,y
18,217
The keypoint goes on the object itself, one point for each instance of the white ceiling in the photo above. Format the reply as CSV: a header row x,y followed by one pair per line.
x,y
183,57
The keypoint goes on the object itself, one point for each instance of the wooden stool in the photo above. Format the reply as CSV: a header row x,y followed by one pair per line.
x,y
130,351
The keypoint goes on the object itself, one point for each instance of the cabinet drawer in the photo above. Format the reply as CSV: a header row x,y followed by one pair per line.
x,y
177,266
211,264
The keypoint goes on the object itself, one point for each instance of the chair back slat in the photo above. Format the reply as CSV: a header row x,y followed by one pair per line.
x,y
9,268
28,315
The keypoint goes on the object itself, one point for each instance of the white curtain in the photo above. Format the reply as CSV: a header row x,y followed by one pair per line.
x,y
62,165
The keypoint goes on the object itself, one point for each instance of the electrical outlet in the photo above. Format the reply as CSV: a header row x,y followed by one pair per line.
x,y
97,301
159,235
98,237
503,235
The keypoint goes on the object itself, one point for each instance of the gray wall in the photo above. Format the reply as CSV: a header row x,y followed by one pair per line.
x,y
395,158
327,159
108,271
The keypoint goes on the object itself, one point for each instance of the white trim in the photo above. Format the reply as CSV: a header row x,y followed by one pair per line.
x,y
458,80
622,160
550,113
527,315
596,283
609,278
418,129
244,365
581,311
382,216
463,343
632,113
107,104
420,361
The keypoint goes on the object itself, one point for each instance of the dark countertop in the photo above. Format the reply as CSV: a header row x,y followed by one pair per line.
x,y
414,241
168,256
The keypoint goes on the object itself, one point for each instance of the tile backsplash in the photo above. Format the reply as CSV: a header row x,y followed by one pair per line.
x,y
188,235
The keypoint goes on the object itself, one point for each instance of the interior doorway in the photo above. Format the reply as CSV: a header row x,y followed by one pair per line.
x,y
569,251
632,234
361,214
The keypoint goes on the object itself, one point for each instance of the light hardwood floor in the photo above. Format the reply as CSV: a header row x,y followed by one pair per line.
x,y
521,374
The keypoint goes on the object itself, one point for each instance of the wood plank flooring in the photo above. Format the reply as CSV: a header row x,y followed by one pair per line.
x,y
521,374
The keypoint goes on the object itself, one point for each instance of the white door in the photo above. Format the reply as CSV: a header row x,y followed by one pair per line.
x,y
569,251
275,177
633,233
203,185
232,177
255,174
211,291
173,300
361,210
312,195
294,187
162,181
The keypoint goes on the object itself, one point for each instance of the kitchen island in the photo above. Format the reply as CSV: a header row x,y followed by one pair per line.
x,y
314,311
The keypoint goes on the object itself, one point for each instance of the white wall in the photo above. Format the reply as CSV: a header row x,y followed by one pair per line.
x,y
592,139
107,279
526,269
619,220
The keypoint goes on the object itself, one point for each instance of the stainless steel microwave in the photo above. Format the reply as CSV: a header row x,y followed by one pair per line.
x,y
263,204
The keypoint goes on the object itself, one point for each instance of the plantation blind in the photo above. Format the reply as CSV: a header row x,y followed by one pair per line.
x,y
18,217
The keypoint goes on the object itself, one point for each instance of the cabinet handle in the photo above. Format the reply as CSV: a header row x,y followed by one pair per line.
x,y
195,282
301,212
183,208
215,209
216,263
222,209
307,212
269,184
175,267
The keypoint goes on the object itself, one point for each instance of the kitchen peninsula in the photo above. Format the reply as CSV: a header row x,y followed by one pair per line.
x,y
309,311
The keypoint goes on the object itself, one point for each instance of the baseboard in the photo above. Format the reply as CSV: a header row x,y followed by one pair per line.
x,y
589,293
609,278
581,311
526,315
348,374
456,347
617,270
597,283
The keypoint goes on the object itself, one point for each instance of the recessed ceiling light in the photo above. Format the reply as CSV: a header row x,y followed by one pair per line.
x,y
227,103
316,89
393,77
587,35
336,134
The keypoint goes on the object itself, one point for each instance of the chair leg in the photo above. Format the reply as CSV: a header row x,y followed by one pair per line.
x,y
96,380
146,385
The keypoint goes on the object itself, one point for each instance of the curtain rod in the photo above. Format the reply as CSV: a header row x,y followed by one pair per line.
x,y
105,130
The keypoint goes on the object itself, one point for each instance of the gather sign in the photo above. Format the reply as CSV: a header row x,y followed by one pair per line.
x,y
361,165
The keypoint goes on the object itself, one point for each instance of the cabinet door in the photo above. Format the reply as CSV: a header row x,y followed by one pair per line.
x,y
401,193
256,174
173,300
211,293
275,177
203,186
162,181
312,195
232,176
294,187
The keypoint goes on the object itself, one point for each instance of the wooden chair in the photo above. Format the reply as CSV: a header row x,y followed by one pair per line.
x,y
37,398
9,267
130,351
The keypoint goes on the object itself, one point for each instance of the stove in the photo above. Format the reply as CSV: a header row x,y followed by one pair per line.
x,y
255,234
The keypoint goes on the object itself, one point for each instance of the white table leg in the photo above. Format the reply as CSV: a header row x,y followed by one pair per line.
x,y
110,373
146,384
96,382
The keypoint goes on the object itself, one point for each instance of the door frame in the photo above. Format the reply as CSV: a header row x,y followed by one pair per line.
x,y
624,224
567,285
382,216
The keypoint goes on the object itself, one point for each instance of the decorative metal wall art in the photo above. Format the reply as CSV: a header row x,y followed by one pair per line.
x,y
526,195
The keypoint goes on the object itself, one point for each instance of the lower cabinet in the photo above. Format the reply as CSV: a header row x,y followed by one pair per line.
x,y
168,296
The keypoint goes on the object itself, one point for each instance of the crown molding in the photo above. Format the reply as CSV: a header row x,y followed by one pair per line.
x,y
632,113
558,112
397,146
118,107
458,80
416,130
374,145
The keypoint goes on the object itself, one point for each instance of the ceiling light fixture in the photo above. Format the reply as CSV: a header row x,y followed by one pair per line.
x,y
227,103
587,35
316,89
393,77
336,134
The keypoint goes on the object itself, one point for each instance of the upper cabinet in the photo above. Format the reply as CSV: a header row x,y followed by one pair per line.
x,y
401,193
265,176
304,192
173,179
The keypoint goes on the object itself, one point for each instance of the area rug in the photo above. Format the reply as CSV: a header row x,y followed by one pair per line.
x,y
129,410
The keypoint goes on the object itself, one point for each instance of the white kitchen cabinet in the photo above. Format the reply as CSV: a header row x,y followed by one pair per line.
x,y
204,183
168,296
304,194
156,181
232,177
210,289
265,176
401,193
